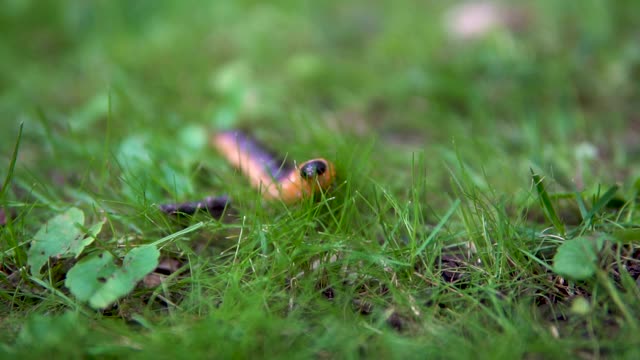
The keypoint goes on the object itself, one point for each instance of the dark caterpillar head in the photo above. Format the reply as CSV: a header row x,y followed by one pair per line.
x,y
312,169
314,174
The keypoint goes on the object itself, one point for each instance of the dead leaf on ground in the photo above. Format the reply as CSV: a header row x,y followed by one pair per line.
x,y
166,267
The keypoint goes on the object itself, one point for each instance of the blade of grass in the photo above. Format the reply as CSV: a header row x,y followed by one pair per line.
x,y
177,234
536,259
20,255
12,165
68,301
615,297
601,203
438,227
546,204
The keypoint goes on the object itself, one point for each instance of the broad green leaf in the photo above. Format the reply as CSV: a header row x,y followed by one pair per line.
x,y
577,258
133,153
88,276
193,138
231,78
580,306
95,229
137,161
80,243
100,282
91,111
56,237
177,181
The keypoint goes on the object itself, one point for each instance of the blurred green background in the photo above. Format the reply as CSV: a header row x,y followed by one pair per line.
x,y
552,76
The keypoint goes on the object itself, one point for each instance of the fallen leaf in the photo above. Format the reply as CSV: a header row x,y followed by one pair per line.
x,y
99,281
61,236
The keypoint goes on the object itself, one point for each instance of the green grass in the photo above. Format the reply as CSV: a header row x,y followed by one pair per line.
x,y
437,241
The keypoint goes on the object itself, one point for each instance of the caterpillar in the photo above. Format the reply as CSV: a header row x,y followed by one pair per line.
x,y
276,178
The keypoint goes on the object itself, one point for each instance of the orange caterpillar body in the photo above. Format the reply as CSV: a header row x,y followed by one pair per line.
x,y
276,179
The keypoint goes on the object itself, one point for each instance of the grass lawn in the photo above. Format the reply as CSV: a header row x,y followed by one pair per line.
x,y
485,204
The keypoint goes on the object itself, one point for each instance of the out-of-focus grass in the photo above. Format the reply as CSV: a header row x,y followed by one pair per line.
x,y
117,99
